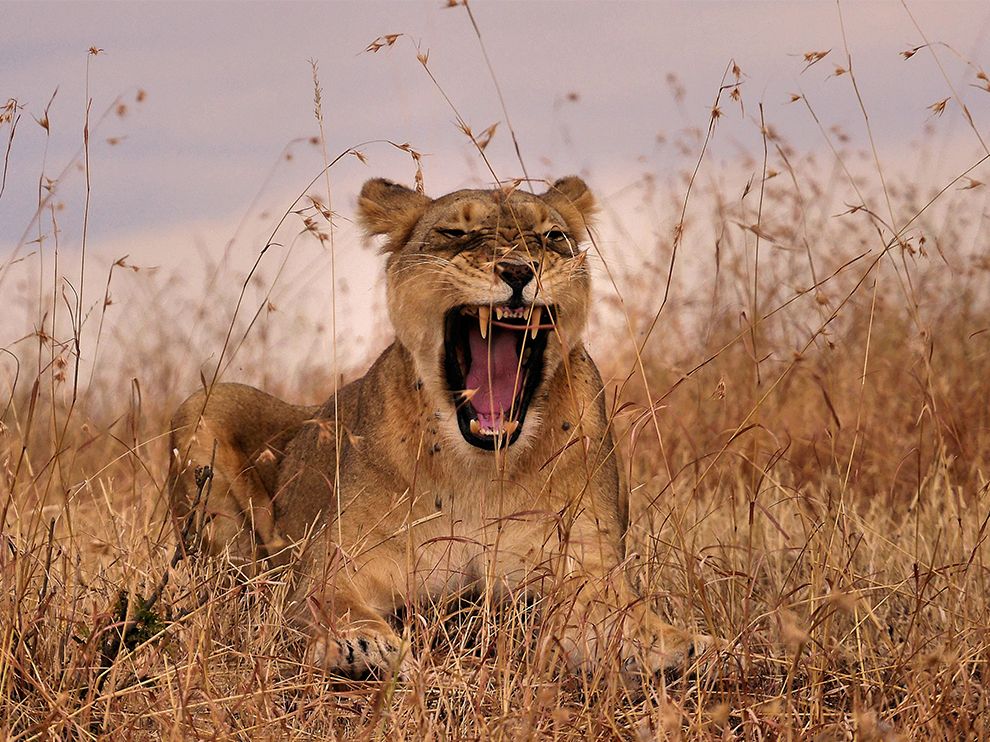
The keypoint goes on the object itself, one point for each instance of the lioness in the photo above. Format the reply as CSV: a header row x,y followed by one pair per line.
x,y
474,455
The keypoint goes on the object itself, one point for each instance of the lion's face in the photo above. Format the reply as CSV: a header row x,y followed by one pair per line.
x,y
488,291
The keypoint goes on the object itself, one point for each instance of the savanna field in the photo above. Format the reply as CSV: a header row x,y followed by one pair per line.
x,y
797,355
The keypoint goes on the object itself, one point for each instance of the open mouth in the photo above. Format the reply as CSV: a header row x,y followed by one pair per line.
x,y
493,361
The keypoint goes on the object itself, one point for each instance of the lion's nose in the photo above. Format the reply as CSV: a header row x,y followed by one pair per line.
x,y
517,275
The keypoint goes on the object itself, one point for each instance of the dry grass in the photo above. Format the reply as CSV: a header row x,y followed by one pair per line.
x,y
806,426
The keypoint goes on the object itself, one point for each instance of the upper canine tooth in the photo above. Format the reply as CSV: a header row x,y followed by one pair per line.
x,y
534,322
484,319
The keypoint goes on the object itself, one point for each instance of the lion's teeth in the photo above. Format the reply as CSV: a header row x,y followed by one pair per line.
x,y
534,322
498,312
468,394
510,427
484,319
475,428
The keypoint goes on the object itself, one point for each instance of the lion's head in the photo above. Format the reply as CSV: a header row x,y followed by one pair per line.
x,y
488,291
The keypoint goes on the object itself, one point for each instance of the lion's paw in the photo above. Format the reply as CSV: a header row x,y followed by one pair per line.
x,y
360,654
664,650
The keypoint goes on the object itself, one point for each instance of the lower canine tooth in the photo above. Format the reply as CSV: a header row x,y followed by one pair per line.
x,y
475,428
484,319
510,427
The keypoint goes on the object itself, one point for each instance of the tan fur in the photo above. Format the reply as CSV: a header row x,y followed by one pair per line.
x,y
377,497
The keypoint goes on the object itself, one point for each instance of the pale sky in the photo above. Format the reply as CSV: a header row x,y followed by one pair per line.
x,y
227,86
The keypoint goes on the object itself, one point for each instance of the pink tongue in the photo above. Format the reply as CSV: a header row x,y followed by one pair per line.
x,y
494,365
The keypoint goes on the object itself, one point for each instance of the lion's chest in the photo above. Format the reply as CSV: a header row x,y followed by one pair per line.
x,y
482,530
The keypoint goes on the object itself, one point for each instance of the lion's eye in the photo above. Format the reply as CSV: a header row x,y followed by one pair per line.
x,y
451,232
555,235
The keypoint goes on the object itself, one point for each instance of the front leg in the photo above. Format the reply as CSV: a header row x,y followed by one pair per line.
x,y
647,646
356,641
597,616
342,609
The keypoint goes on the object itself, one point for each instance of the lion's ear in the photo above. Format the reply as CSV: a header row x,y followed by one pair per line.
x,y
390,209
572,199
